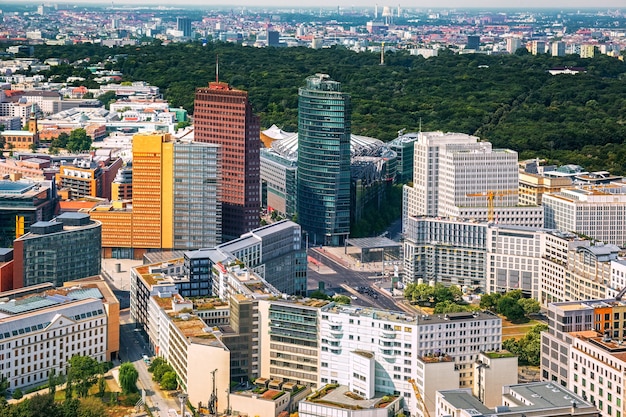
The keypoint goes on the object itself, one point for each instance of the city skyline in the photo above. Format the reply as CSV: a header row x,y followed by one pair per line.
x,y
344,4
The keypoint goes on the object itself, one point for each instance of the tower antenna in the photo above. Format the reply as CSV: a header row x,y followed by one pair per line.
x,y
217,68
420,131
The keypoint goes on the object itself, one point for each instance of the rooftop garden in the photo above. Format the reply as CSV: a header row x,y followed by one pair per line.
x,y
500,354
322,392
385,401
431,358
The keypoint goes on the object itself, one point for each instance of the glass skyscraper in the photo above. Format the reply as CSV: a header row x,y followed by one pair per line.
x,y
197,206
323,181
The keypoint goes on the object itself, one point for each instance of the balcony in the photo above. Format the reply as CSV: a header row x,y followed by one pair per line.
x,y
388,333
337,334
387,354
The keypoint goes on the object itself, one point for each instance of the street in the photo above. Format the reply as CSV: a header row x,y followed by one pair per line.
x,y
132,348
342,280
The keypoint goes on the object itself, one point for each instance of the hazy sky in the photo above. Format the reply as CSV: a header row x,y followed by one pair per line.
x,y
422,4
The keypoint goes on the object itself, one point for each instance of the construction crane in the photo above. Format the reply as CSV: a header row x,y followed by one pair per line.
x,y
491,199
419,398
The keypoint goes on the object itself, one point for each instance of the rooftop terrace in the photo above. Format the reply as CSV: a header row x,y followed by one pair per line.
x,y
403,317
340,396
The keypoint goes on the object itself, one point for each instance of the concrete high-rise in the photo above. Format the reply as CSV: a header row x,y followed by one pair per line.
x,y
513,44
176,189
323,183
457,175
153,186
183,24
197,209
223,116
558,48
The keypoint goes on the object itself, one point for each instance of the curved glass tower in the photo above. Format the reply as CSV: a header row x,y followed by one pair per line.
x,y
324,161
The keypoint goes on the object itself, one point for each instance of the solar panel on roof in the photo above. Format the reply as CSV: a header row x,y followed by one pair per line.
x,y
27,304
84,293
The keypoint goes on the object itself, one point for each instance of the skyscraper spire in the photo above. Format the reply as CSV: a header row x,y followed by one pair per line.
x,y
217,68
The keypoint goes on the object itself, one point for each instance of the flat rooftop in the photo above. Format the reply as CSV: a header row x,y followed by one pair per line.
x,y
588,304
524,398
341,397
21,302
153,274
403,317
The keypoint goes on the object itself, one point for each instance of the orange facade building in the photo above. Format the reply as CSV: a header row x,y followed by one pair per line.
x,y
129,233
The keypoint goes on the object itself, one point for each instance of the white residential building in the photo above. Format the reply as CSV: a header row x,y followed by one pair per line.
x,y
379,351
43,99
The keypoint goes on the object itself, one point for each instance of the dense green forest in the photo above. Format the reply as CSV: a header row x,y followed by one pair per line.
x,y
511,101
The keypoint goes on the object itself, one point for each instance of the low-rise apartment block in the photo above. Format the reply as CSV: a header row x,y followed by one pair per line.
x,y
188,344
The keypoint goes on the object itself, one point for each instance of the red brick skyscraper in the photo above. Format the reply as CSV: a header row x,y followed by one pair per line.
x,y
223,115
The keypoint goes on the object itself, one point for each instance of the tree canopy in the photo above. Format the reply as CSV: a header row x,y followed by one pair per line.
x,y
510,100
163,373
45,405
527,348
128,377
512,304
433,294
83,373
78,141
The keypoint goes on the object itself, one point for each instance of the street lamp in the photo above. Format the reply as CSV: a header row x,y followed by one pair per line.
x,y
227,401
182,397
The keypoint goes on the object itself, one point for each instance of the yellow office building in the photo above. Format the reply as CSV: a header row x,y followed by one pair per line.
x,y
153,177
175,201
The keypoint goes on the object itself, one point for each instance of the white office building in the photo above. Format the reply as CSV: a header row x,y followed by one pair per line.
x,y
449,251
514,259
598,212
473,254
457,175
584,351
42,327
